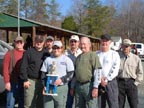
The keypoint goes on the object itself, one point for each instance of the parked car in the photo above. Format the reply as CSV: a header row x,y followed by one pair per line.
x,y
4,47
116,43
140,49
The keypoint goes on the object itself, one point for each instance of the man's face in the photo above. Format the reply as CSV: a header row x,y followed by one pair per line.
x,y
85,45
57,51
39,45
126,49
49,43
74,44
105,44
19,44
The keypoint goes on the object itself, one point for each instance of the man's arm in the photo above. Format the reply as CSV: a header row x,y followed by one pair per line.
x,y
67,77
24,66
97,77
6,65
97,81
6,70
139,73
115,67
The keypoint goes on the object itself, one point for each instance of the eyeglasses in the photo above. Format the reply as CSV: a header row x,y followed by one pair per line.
x,y
125,46
18,42
54,48
73,41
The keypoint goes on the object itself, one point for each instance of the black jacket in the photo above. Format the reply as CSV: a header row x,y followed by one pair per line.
x,y
31,64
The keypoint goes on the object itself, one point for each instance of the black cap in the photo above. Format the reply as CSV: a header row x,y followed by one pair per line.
x,y
107,37
39,38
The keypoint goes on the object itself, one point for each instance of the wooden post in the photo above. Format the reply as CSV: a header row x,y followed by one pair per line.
x,y
33,34
7,36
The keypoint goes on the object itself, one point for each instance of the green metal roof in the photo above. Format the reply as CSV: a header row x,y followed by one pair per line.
x,y
8,20
12,21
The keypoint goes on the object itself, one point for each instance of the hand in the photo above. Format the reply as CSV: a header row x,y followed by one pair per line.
x,y
72,91
95,92
58,82
27,84
8,86
103,81
44,91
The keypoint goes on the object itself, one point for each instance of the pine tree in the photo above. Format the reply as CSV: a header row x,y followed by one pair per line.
x,y
69,24
96,18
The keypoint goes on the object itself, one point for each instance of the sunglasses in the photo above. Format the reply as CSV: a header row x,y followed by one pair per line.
x,y
73,41
125,46
18,42
54,48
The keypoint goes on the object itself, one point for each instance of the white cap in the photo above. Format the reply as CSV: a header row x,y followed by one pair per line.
x,y
57,43
127,42
74,37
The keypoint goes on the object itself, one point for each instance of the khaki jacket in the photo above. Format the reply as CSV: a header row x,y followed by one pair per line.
x,y
131,67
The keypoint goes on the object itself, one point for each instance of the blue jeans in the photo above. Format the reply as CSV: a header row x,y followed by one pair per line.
x,y
15,95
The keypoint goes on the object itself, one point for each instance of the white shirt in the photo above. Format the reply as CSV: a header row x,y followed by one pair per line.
x,y
63,65
110,62
73,56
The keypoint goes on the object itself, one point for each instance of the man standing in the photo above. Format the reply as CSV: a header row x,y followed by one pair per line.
x,y
64,68
11,70
110,61
49,43
72,54
87,76
130,76
31,74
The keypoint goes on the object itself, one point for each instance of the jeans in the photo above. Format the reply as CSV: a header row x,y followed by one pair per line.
x,y
15,95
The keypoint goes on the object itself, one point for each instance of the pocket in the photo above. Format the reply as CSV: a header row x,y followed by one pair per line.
x,y
132,68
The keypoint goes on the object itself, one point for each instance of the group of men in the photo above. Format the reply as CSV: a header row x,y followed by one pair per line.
x,y
89,78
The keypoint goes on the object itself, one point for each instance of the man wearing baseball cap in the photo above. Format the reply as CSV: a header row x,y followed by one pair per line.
x,y
130,75
49,43
72,53
31,74
110,61
11,70
64,69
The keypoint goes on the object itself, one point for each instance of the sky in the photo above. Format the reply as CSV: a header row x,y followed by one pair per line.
x,y
64,6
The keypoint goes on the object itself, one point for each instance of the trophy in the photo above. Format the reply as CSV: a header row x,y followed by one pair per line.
x,y
51,88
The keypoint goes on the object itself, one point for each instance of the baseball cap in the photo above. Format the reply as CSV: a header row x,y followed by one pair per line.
x,y
127,42
50,38
19,38
107,37
74,37
57,43
39,38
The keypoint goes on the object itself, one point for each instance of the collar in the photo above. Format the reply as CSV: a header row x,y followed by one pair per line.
x,y
129,55
78,51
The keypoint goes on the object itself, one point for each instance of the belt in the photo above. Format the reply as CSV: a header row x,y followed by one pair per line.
x,y
125,79
83,82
